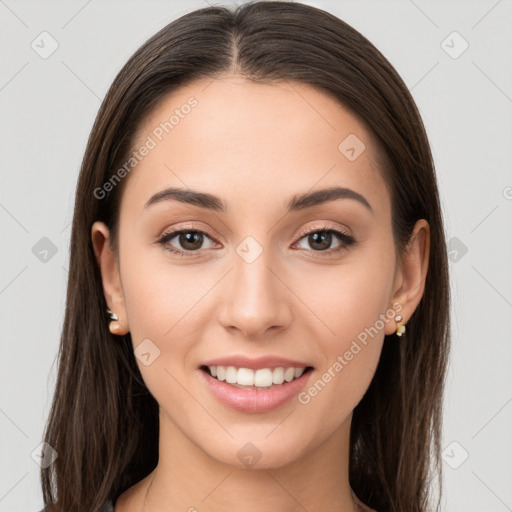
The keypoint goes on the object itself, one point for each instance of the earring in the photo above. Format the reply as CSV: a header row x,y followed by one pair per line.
x,y
400,329
112,315
115,326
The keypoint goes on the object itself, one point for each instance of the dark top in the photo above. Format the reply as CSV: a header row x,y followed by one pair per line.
x,y
108,506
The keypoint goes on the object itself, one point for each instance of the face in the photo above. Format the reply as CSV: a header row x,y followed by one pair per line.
x,y
260,278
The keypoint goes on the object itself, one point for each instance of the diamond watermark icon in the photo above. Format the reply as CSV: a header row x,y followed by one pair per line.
x,y
351,147
249,455
44,250
455,455
454,45
44,45
457,249
249,249
146,352
44,455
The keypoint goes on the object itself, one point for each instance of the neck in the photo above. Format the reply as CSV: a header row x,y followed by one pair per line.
x,y
186,478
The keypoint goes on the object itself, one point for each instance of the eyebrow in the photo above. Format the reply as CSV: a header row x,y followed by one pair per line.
x,y
297,203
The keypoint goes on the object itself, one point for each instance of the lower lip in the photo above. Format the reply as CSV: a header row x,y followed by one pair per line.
x,y
254,400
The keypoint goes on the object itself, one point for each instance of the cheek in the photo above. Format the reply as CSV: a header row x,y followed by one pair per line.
x,y
348,299
160,296
352,303
162,306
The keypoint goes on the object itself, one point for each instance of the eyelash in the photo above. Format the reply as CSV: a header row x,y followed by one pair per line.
x,y
343,237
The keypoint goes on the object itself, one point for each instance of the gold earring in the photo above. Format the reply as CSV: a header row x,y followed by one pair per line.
x,y
114,326
400,329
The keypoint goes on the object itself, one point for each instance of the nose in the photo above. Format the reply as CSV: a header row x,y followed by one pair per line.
x,y
255,300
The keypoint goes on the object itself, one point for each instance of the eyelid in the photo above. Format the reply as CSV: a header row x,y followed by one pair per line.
x,y
185,227
323,227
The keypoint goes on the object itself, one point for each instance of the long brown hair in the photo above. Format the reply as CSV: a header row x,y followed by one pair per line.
x,y
103,421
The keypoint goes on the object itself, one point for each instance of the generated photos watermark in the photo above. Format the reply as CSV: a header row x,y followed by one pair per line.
x,y
344,359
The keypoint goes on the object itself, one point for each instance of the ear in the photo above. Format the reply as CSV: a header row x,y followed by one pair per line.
x,y
411,274
110,276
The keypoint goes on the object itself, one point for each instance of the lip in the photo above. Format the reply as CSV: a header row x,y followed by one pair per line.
x,y
254,400
239,361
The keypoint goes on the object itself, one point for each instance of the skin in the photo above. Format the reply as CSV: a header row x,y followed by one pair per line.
x,y
255,146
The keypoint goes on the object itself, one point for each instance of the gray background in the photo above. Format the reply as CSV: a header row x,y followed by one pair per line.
x,y
47,110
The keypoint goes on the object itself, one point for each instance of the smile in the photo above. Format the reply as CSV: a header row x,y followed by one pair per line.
x,y
270,388
248,378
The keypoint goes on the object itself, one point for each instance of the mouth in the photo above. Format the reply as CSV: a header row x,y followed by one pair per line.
x,y
256,379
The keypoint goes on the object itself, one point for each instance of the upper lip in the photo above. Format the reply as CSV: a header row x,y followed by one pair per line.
x,y
239,361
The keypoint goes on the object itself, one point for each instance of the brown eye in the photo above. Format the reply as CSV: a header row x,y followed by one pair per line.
x,y
190,240
321,240
187,241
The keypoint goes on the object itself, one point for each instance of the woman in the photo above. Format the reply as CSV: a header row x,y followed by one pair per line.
x,y
257,309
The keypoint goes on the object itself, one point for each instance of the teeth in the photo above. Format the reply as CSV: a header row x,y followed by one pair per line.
x,y
245,377
231,375
278,376
289,373
261,378
221,372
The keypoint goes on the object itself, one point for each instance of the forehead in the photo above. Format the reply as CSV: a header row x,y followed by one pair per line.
x,y
247,141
